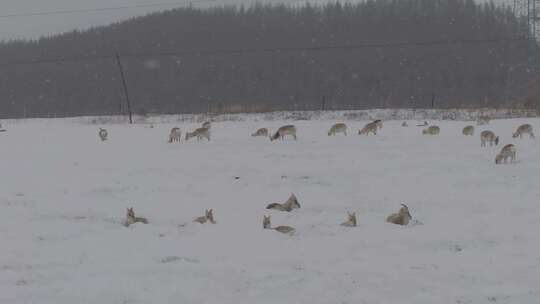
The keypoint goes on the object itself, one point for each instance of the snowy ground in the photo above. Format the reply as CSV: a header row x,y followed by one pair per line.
x,y
63,196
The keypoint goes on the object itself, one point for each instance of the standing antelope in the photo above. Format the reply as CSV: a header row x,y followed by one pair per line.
x,y
103,134
132,219
488,136
200,133
508,151
369,128
261,132
282,229
524,129
468,130
289,205
208,216
284,131
338,128
351,220
432,130
175,135
401,218
207,125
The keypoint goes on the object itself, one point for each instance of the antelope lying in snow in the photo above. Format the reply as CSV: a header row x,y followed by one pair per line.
x,y
208,217
289,205
351,220
468,130
103,134
508,151
199,133
370,127
524,129
488,136
261,132
284,131
432,130
379,123
282,229
132,219
338,128
401,218
175,135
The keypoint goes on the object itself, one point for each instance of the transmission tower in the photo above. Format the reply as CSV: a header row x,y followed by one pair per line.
x,y
528,11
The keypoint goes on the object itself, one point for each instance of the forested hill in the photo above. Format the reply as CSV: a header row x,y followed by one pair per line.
x,y
374,54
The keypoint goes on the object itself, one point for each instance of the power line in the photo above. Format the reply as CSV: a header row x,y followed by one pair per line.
x,y
102,9
269,50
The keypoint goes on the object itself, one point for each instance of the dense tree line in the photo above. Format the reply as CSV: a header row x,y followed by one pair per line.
x,y
173,63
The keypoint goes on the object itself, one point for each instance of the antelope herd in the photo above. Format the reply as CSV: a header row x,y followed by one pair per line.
x,y
402,217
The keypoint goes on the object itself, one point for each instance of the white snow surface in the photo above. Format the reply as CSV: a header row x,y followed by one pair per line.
x,y
64,193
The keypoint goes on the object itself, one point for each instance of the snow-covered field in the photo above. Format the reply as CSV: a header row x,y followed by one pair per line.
x,y
63,197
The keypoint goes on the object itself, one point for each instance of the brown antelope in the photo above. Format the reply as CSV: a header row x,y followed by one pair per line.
x,y
401,218
261,132
132,219
103,134
207,125
488,136
208,216
284,131
508,151
282,229
200,133
432,130
468,130
351,220
482,120
371,127
524,129
289,205
379,123
338,128
175,135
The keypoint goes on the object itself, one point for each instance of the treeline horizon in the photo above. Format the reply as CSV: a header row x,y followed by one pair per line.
x,y
276,57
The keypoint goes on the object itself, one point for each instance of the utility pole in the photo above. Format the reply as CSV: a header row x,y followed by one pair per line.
x,y
126,93
323,106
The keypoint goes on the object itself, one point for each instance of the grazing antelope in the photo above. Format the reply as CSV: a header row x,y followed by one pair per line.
x,y
261,132
482,120
432,130
282,229
284,131
338,128
370,127
351,220
103,134
404,124
379,123
289,205
175,135
208,216
401,218
207,125
132,219
524,129
200,133
488,136
508,151
468,130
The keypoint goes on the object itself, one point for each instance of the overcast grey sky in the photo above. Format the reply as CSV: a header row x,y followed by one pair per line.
x,y
35,26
